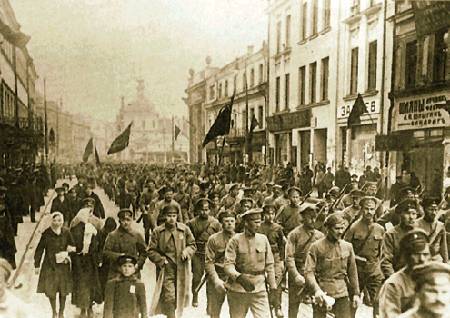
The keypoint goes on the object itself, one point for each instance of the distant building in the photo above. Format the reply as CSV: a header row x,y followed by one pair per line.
x,y
151,133
20,132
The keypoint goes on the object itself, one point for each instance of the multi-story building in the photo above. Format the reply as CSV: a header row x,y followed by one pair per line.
x,y
151,133
418,121
361,52
19,131
246,78
304,54
195,101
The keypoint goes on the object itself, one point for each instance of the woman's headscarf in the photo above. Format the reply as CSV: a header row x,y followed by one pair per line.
x,y
89,230
56,229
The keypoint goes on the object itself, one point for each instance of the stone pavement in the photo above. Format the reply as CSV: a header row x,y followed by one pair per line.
x,y
40,304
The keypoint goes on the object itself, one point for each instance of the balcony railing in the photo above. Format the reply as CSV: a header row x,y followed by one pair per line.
x,y
237,132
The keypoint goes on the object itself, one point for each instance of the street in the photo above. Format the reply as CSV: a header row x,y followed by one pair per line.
x,y
40,303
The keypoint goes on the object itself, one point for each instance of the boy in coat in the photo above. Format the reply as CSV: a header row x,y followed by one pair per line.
x,y
125,295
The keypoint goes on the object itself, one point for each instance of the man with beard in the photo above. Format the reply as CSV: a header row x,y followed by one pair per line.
x,y
391,260
367,238
125,241
245,204
214,264
171,247
330,271
275,235
248,259
289,215
297,246
202,227
397,292
435,229
433,291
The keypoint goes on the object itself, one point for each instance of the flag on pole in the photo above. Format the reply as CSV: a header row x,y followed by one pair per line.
x,y
88,150
359,108
97,158
121,141
177,131
254,123
354,118
221,125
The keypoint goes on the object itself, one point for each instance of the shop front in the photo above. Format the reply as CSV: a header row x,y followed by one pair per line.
x,y
425,119
282,126
357,144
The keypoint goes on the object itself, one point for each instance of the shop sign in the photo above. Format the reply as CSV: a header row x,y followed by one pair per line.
x,y
288,121
423,111
372,105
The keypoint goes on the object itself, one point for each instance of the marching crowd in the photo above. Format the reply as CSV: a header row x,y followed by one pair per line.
x,y
245,234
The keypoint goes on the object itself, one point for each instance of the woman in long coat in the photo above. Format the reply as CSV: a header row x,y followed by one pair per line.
x,y
85,261
55,276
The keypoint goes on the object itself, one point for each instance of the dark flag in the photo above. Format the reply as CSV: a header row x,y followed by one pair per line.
x,y
97,158
354,118
253,124
221,125
177,132
88,150
121,141
430,16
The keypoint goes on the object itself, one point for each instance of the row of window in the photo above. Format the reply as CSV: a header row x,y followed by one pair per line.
x,y
371,68
223,87
324,76
8,103
309,9
439,65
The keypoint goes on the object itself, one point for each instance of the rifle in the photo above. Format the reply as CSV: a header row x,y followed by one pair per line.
x,y
200,285
268,296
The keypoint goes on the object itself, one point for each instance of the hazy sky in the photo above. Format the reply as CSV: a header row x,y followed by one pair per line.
x,y
91,51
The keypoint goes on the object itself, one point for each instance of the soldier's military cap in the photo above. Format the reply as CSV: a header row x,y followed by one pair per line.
x,y
406,191
406,205
252,213
268,204
367,198
60,189
429,201
426,273
167,188
334,191
123,212
308,208
65,185
201,201
357,193
87,201
247,199
126,259
233,186
294,189
225,214
414,241
170,208
247,189
334,219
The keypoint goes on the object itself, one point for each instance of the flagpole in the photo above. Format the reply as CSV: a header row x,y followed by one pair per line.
x,y
246,114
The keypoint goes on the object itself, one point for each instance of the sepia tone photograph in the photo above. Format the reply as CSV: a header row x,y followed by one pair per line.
x,y
224,158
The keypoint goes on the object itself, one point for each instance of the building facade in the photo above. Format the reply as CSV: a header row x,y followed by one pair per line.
x,y
304,55
361,71
151,138
246,78
20,132
418,121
